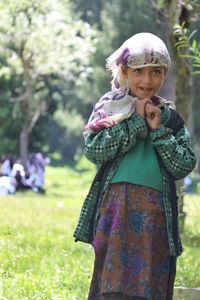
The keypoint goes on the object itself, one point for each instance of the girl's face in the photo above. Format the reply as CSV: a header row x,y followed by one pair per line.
x,y
144,82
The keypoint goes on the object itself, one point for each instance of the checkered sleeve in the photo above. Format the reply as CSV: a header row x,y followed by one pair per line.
x,y
175,151
116,140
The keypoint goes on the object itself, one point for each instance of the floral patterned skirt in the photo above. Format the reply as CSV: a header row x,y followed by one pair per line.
x,y
132,258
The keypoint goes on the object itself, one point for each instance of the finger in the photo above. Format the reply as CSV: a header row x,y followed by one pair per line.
x,y
149,107
143,100
150,115
147,100
150,101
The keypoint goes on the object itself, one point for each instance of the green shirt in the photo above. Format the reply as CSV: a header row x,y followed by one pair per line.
x,y
140,166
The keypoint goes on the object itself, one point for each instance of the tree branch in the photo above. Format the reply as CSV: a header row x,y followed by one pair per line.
x,y
42,107
20,98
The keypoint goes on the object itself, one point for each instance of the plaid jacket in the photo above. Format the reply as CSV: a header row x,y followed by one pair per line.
x,y
106,148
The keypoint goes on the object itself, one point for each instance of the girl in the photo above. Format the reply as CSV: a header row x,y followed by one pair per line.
x,y
142,147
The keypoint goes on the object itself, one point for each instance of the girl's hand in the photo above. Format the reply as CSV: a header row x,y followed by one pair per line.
x,y
140,106
152,116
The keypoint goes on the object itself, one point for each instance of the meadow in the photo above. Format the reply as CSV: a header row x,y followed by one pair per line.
x,y
39,259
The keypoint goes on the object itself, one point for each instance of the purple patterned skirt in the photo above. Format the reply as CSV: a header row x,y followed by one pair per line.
x,y
132,258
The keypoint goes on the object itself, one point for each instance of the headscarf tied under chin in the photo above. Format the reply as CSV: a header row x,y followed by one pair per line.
x,y
141,50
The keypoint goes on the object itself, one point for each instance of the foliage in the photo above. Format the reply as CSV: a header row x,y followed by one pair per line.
x,y
8,136
69,141
47,34
39,259
89,10
188,46
41,41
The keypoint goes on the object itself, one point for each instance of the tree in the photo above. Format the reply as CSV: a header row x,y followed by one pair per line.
x,y
90,11
41,40
182,13
189,47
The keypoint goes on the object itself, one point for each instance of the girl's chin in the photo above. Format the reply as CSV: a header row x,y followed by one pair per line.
x,y
141,97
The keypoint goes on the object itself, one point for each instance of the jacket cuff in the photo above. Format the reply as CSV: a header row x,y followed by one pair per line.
x,y
160,133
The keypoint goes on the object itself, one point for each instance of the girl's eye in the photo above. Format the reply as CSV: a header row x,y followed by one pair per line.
x,y
137,71
157,71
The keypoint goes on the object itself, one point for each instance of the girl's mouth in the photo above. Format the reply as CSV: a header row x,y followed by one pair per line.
x,y
146,89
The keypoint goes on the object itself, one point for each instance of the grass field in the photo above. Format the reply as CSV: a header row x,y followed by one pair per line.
x,y
38,256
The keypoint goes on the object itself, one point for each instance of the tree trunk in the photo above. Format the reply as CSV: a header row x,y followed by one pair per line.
x,y
24,141
27,112
177,13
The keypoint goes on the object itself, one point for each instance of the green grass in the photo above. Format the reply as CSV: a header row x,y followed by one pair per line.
x,y
189,262
38,256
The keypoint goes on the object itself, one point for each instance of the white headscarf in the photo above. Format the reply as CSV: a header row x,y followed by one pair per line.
x,y
141,50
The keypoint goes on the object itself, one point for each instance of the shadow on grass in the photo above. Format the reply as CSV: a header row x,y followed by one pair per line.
x,y
72,164
191,240
61,163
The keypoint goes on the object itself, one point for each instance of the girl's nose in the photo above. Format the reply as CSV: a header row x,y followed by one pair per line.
x,y
146,78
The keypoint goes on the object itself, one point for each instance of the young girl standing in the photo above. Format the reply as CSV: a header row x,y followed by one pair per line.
x,y
142,147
